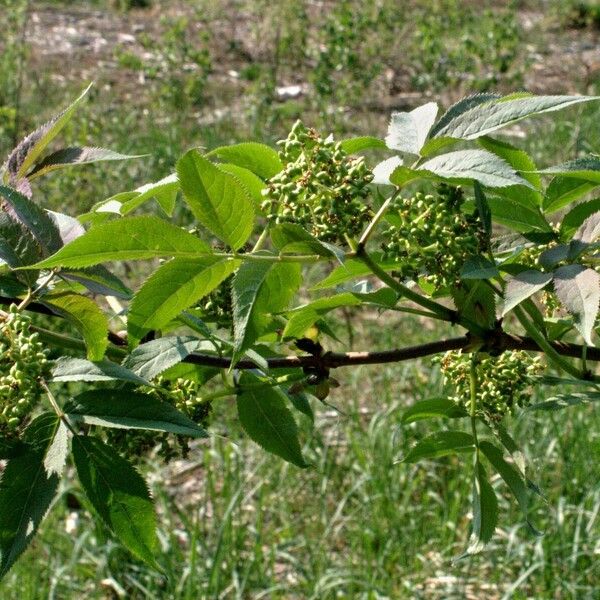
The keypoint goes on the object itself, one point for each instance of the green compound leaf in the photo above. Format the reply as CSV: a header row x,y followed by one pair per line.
x,y
433,408
479,267
99,280
578,289
33,218
408,131
290,238
175,286
26,153
485,512
522,286
124,409
511,476
130,238
262,160
79,369
480,115
151,359
253,183
217,199
586,168
29,484
482,166
267,420
440,443
260,288
86,316
589,230
118,494
67,157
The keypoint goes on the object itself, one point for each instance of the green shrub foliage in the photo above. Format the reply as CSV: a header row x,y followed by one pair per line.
x,y
466,238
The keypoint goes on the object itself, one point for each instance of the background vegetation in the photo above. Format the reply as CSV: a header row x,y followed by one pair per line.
x,y
237,523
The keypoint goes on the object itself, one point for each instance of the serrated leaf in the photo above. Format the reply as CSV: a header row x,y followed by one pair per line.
x,y
66,157
459,108
28,486
479,267
564,190
268,422
151,359
129,238
126,202
290,238
86,316
578,289
27,151
258,158
433,408
99,280
118,494
259,288
476,301
301,402
171,289
33,218
511,476
124,409
408,131
383,171
589,230
485,512
518,217
522,286
79,369
303,317
577,215
253,183
586,168
482,166
483,208
217,199
359,144
440,443
352,269
481,115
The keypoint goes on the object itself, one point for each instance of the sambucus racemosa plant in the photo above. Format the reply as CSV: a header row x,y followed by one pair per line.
x,y
222,301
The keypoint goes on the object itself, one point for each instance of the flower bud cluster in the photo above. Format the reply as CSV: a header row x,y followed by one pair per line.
x,y
23,363
503,382
320,187
184,395
432,237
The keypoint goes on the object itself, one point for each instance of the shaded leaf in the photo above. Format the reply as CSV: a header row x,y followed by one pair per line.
x,y
433,408
522,286
485,512
125,409
578,289
79,369
358,144
577,215
440,443
257,158
267,420
118,494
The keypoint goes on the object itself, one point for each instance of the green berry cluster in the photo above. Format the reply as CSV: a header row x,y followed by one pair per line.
x,y
184,395
23,364
433,238
503,381
320,187
218,305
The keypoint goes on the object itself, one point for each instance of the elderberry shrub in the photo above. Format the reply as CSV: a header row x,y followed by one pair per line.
x,y
432,237
23,364
320,187
503,381
184,395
